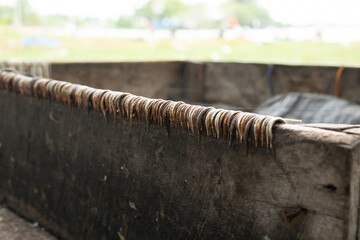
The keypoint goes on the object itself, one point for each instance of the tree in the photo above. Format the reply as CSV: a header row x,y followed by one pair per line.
x,y
23,14
247,12
200,16
155,10
6,15
126,22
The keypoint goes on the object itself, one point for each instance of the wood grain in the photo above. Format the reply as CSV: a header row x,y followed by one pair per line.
x,y
83,178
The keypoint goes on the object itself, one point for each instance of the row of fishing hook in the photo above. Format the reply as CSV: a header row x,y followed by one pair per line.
x,y
28,68
244,127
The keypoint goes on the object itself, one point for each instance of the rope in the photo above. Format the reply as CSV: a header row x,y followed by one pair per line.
x,y
338,81
246,128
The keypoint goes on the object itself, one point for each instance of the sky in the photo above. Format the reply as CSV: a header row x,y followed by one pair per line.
x,y
295,12
321,12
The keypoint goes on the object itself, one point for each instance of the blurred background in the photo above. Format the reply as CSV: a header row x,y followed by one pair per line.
x,y
278,31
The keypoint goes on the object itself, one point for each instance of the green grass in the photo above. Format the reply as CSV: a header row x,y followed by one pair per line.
x,y
105,49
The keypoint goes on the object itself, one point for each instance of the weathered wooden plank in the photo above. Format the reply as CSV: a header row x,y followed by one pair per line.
x,y
12,227
304,79
149,79
316,79
245,84
194,81
86,179
237,84
354,203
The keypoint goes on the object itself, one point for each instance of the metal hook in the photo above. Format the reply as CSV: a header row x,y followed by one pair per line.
x,y
14,70
247,128
338,81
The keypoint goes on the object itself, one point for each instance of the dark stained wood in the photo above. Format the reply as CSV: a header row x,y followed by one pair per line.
x,y
149,79
238,84
13,227
84,178
194,81
317,79
245,84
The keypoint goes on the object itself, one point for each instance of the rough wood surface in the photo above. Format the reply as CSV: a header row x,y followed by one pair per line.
x,y
149,79
317,80
238,84
13,227
86,179
245,85
193,77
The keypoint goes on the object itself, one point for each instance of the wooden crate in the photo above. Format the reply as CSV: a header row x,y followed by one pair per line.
x,y
83,178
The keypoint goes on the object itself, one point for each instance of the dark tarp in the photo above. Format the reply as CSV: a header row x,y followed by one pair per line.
x,y
312,108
